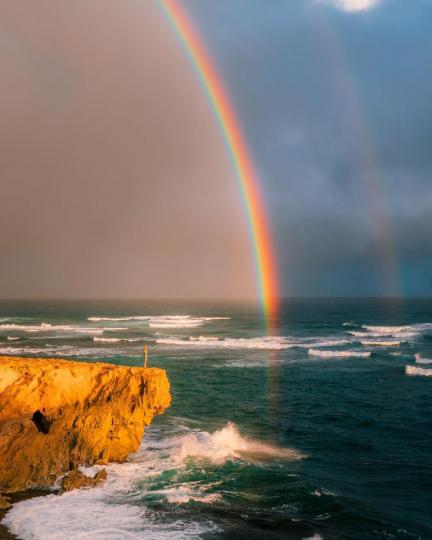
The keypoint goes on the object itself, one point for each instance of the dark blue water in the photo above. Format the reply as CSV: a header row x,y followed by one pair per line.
x,y
316,431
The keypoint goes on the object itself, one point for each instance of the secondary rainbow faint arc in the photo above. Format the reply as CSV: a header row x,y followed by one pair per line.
x,y
261,241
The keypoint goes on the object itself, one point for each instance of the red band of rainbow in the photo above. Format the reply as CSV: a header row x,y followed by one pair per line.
x,y
258,228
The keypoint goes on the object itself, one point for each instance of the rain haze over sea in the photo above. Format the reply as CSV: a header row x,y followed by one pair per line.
x,y
320,429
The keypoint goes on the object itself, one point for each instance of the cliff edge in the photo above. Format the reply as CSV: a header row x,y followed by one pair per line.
x,y
56,415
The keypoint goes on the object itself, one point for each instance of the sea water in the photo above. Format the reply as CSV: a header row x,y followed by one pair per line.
x,y
318,426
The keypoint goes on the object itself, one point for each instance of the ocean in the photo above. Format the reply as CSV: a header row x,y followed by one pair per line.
x,y
317,428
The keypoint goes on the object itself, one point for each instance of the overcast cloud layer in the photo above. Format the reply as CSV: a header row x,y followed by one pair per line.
x,y
115,182
114,179
337,108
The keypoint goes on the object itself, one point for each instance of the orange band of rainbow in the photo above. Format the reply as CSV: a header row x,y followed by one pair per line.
x,y
263,254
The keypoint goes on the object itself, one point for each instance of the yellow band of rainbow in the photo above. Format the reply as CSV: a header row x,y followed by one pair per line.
x,y
259,233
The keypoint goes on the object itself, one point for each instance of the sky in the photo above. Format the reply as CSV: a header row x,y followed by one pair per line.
x,y
116,182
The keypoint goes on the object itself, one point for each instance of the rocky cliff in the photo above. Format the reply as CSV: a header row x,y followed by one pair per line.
x,y
58,414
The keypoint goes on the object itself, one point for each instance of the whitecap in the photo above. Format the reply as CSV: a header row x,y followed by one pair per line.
x,y
228,443
414,370
403,331
336,354
47,327
68,351
163,321
378,343
385,330
210,342
421,360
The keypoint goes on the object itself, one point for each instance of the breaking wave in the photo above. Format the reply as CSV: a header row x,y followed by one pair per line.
x,y
47,327
115,510
407,330
278,343
386,330
162,321
414,370
421,360
335,354
228,443
68,351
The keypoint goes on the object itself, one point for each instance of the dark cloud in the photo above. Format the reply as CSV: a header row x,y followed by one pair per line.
x,y
336,106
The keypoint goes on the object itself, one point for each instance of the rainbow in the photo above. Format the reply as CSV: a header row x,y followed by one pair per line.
x,y
258,227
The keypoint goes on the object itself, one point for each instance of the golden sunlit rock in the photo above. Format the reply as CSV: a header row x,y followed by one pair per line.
x,y
56,415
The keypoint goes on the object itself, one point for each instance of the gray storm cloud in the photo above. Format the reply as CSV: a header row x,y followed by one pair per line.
x,y
337,108
114,178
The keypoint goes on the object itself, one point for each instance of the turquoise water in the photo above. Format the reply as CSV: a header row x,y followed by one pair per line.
x,y
316,431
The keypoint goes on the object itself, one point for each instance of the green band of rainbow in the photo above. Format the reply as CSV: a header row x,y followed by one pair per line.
x,y
259,233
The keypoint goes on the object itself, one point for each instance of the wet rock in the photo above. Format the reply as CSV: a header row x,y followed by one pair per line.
x,y
78,480
4,503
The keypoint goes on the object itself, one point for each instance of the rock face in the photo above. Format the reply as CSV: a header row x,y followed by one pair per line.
x,y
4,503
77,480
56,415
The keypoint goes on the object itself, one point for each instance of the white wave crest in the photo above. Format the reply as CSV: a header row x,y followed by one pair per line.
x,y
69,351
335,354
386,330
421,360
114,340
12,338
404,331
60,350
184,494
377,343
118,319
163,321
47,327
414,370
210,342
228,443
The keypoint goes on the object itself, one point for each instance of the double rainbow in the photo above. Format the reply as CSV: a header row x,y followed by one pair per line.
x,y
258,228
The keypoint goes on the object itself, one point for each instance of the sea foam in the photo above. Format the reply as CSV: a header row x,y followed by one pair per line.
x,y
414,370
228,443
404,331
336,354
115,340
421,360
47,327
115,511
162,321
210,342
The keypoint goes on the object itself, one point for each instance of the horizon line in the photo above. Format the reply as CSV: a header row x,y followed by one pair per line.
x,y
212,299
